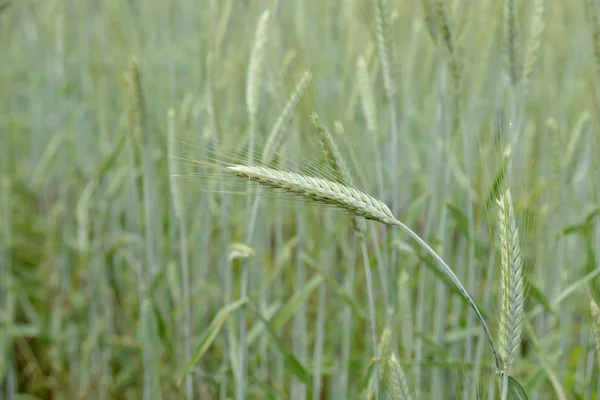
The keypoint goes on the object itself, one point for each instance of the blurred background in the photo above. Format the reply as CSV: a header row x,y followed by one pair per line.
x,y
119,280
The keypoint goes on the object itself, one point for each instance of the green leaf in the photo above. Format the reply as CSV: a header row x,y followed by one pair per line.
x,y
210,335
461,220
290,361
515,390
289,308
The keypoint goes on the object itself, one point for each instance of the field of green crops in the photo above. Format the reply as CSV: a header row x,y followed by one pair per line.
x,y
157,242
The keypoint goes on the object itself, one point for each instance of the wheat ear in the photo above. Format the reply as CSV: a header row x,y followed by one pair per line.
x,y
512,291
510,42
274,138
382,19
538,24
393,375
353,200
256,63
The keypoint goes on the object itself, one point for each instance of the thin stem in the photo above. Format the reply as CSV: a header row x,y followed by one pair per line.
x,y
367,267
459,286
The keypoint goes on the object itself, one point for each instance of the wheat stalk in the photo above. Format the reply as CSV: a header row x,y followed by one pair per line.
x,y
595,313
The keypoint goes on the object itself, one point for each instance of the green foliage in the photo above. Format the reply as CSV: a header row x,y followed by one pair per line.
x,y
95,301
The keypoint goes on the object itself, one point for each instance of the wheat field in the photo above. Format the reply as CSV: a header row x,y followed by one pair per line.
x,y
285,199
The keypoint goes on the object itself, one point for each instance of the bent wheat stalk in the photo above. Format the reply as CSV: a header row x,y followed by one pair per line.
x,y
356,203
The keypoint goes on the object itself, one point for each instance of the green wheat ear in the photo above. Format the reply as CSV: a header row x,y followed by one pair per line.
x,y
512,291
510,42
393,374
538,24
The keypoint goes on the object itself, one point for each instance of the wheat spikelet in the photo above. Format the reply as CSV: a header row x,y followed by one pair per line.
x,y
595,313
511,279
393,375
538,24
511,42
274,138
255,65
366,97
383,44
322,190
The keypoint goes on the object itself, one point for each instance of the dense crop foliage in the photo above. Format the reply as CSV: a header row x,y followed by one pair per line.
x,y
299,199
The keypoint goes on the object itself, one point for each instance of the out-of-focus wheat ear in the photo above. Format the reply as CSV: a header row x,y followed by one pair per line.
x,y
256,63
274,139
366,97
331,150
430,19
538,25
448,38
255,68
382,20
512,291
393,374
595,314
511,42
336,162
